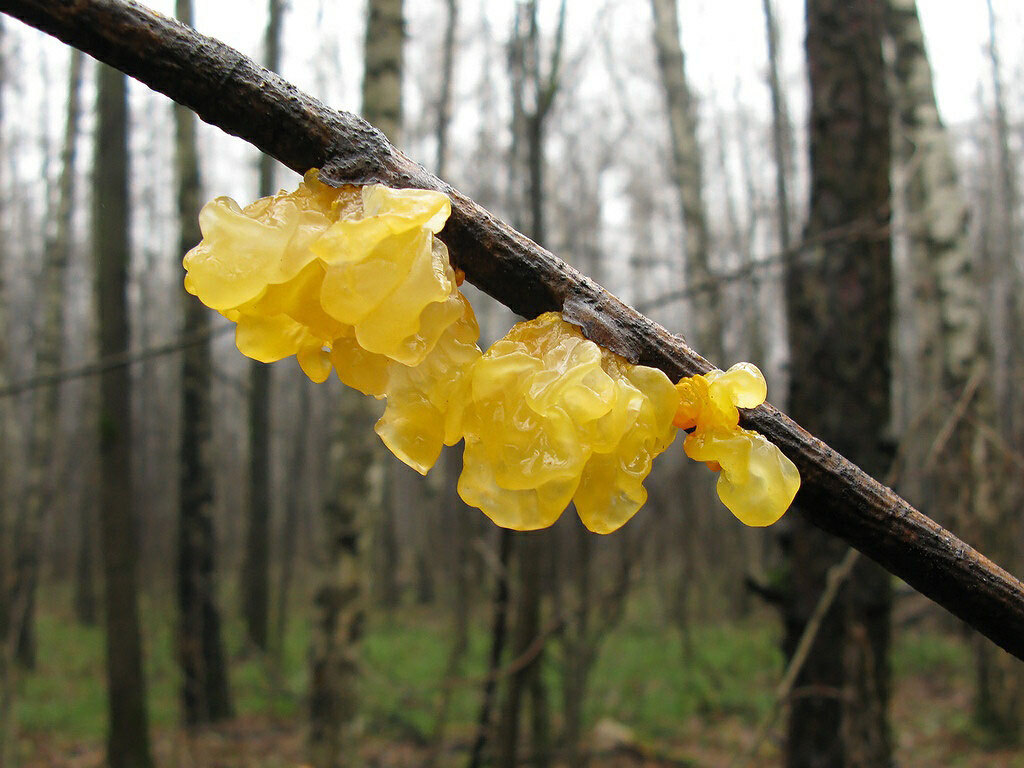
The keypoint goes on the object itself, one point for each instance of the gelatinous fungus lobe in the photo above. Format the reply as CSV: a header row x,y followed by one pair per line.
x,y
550,418
757,482
351,279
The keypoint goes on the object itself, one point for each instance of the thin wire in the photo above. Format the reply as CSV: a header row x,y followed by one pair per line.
x,y
805,252
110,362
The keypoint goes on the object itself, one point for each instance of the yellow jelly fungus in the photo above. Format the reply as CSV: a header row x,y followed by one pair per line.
x,y
550,418
758,483
351,279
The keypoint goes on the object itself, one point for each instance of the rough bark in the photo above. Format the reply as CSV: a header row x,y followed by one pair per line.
x,y
339,603
128,737
839,311
255,578
206,697
688,176
235,94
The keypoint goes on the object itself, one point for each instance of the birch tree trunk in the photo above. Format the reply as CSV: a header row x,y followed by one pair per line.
x,y
128,735
255,578
1004,269
839,311
706,323
206,696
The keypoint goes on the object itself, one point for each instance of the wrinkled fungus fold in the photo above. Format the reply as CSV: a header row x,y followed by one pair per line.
x,y
757,482
550,418
352,280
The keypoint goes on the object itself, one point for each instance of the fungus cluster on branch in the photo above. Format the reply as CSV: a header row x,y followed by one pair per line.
x,y
353,280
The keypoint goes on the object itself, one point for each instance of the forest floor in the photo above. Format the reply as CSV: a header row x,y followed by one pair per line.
x,y
648,704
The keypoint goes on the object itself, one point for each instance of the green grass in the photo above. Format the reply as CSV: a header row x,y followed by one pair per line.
x,y
642,676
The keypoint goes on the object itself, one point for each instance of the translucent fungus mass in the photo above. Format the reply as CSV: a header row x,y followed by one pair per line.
x,y
350,279
758,483
550,418
353,280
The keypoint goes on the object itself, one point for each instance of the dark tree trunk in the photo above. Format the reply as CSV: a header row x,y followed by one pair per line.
x,y
255,581
296,499
128,736
534,88
6,661
839,305
339,602
42,491
206,696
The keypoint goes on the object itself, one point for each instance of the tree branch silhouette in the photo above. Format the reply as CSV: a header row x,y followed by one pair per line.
x,y
234,93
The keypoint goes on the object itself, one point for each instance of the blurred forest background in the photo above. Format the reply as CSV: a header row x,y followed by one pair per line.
x,y
275,589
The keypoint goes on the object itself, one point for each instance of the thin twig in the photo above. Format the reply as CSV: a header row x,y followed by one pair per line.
x,y
110,362
840,572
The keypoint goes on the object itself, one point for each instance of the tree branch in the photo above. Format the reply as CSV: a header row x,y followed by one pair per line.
x,y
234,93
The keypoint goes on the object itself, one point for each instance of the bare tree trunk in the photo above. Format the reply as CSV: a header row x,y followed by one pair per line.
x,y
295,499
206,696
965,491
444,99
85,600
534,89
782,130
457,516
706,324
531,549
7,692
354,495
839,308
499,637
255,578
41,490
382,106
1005,299
340,601
128,737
